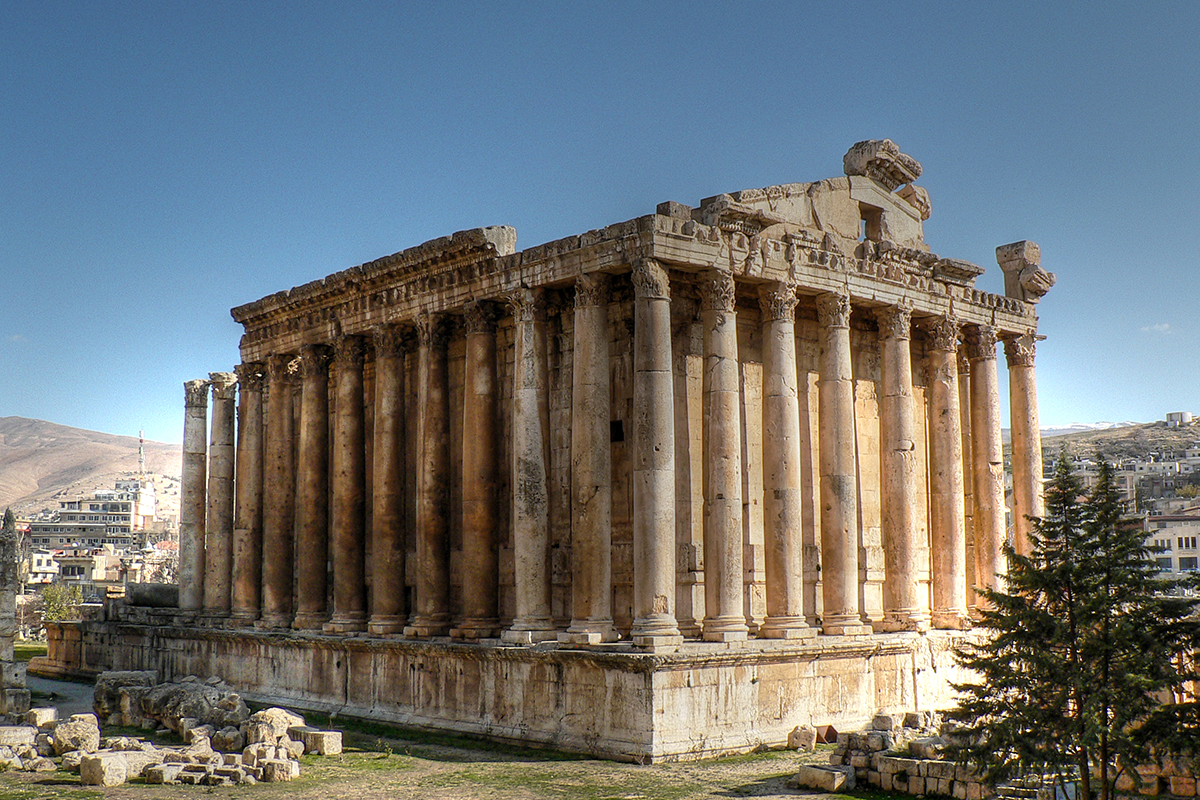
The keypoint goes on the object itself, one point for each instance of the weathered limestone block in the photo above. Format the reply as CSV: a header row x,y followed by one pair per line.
x,y
1182,786
826,779
103,769
325,743
887,722
17,735
78,734
71,759
803,737
277,770
228,738
41,717
106,697
40,764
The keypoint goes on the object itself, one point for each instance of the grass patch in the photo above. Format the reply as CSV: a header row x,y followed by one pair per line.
x,y
23,651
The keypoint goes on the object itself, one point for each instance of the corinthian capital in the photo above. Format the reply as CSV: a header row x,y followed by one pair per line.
x,y
650,280
250,376
591,289
527,305
195,394
390,341
778,301
314,361
833,310
1019,350
981,342
479,316
718,292
895,322
279,366
349,351
432,330
224,385
943,333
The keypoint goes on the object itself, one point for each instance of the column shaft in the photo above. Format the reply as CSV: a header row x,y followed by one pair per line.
x,y
964,412
782,490
898,468
1026,439
279,507
218,530
432,617
349,491
947,512
312,491
530,474
839,484
387,543
480,463
591,469
192,504
725,613
654,624
987,456
247,532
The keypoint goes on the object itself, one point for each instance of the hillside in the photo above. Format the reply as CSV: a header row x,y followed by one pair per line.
x,y
41,461
1126,442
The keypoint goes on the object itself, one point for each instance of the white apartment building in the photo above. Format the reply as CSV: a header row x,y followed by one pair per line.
x,y
1177,536
113,517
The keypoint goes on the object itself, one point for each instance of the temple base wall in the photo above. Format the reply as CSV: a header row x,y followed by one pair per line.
x,y
612,702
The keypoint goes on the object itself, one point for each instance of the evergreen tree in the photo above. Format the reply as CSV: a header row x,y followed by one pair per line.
x,y
1083,645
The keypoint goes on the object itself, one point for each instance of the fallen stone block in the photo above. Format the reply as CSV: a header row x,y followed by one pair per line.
x,y
77,734
802,737
41,717
163,773
826,779
280,719
886,722
103,769
277,770
17,735
40,764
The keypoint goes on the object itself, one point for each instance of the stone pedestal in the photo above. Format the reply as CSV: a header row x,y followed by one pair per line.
x,y
898,470
591,469
432,617
947,515
654,624
312,490
192,504
218,530
247,532
480,461
782,491
987,457
1026,439
530,458
839,484
279,486
725,613
387,497
349,491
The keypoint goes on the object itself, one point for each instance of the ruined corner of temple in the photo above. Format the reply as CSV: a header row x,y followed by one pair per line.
x,y
662,490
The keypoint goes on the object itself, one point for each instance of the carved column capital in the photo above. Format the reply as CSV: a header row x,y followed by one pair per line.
x,y
650,280
195,394
390,341
314,360
778,301
250,375
479,316
943,333
224,385
981,342
349,351
1019,350
432,330
591,289
833,310
964,363
280,366
718,292
527,305
895,322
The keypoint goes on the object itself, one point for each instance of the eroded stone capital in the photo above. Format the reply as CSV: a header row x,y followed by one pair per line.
x,y
1019,350
479,316
224,385
964,363
943,333
895,322
250,375
314,360
432,330
591,289
981,342
390,341
280,366
833,310
778,301
349,351
650,280
195,394
881,160
527,305
718,292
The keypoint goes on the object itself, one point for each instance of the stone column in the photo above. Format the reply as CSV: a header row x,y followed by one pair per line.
x,y
654,624
279,507
247,532
480,463
1026,439
782,491
898,469
964,413
987,457
349,490
387,544
530,460
947,511
312,490
218,530
192,504
591,469
724,609
839,484
432,617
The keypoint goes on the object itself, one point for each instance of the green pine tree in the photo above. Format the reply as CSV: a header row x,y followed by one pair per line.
x,y
1085,642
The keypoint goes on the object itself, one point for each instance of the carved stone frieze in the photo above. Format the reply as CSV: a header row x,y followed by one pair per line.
x,y
650,280
980,341
1019,350
895,322
881,161
195,394
833,310
778,301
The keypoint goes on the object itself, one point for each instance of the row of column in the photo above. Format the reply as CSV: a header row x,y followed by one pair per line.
x,y
244,567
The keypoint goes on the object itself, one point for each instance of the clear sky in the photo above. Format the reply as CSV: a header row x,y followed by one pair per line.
x,y
162,162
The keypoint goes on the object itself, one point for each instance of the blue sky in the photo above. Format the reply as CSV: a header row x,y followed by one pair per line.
x,y
162,162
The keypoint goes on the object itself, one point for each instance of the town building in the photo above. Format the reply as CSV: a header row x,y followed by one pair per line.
x,y
114,517
664,489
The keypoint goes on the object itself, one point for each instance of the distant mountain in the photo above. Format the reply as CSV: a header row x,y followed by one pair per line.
x,y
42,461
1124,440
1081,427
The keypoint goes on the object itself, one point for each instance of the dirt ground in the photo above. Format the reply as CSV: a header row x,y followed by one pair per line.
x,y
378,767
